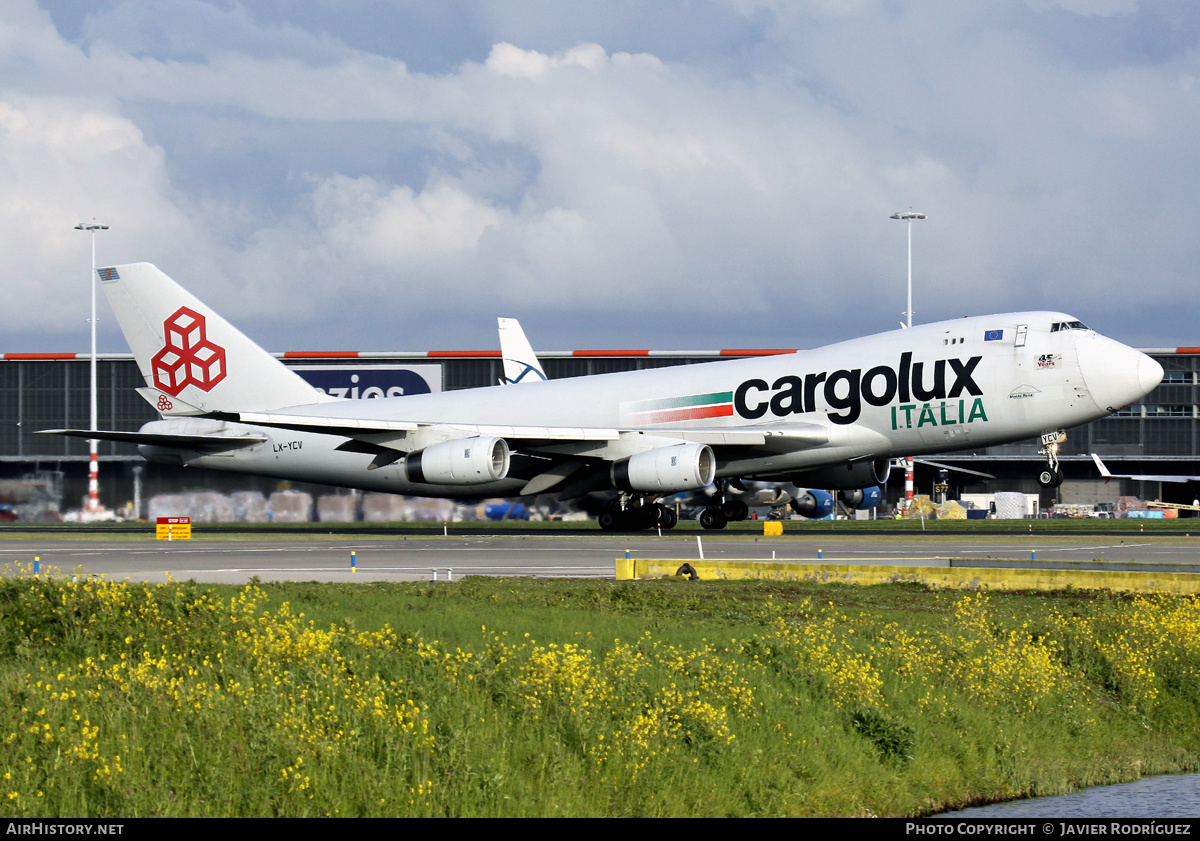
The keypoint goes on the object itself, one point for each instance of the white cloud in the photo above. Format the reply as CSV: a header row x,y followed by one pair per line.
x,y
61,161
601,185
507,60
368,224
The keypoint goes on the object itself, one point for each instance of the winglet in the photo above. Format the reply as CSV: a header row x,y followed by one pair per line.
x,y
1103,470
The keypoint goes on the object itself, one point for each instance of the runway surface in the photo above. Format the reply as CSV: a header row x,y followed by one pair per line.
x,y
592,556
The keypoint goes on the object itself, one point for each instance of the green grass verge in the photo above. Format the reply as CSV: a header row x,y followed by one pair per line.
x,y
497,697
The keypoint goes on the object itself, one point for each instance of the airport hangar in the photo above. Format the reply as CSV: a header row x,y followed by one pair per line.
x,y
38,391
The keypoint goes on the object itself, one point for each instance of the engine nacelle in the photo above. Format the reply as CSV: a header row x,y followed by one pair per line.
x,y
465,461
813,504
846,477
683,467
863,499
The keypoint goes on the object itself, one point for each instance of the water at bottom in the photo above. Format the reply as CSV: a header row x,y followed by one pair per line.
x,y
1170,796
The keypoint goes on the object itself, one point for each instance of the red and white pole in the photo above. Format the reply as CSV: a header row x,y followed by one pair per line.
x,y
908,482
93,500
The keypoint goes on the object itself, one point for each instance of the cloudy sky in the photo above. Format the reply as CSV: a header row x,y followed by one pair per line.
x,y
392,175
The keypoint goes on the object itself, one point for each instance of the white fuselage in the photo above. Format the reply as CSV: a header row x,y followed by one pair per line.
x,y
969,383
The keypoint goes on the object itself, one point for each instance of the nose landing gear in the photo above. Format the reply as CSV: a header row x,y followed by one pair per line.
x,y
1051,476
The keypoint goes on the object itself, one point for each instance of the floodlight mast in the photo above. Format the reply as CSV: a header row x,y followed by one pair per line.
x,y
93,501
907,216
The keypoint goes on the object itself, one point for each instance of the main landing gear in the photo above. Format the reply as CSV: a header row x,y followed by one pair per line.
x,y
725,511
1051,476
635,513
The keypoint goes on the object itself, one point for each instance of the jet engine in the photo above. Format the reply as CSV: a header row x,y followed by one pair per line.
x,y
863,499
846,477
813,504
465,461
683,467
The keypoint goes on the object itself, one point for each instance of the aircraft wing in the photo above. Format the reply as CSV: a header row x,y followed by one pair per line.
x,y
356,428
571,460
787,437
941,466
1143,477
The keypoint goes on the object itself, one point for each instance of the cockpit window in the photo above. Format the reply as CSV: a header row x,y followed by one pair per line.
x,y
1067,325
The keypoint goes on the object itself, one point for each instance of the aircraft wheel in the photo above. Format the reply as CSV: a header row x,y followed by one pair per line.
x,y
1050,477
664,517
735,510
608,520
712,518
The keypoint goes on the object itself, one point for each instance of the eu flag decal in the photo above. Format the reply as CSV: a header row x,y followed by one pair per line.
x,y
108,274
993,335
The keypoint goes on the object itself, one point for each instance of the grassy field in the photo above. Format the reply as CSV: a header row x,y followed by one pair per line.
x,y
522,697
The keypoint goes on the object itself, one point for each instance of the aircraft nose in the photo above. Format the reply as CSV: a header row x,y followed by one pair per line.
x,y
1116,375
1150,373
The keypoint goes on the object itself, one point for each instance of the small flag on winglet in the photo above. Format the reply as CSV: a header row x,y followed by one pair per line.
x,y
993,335
108,274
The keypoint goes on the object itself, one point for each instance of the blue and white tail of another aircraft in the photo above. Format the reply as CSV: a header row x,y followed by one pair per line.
x,y
832,417
520,362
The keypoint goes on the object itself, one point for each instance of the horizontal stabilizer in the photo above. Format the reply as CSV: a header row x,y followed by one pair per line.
x,y
183,441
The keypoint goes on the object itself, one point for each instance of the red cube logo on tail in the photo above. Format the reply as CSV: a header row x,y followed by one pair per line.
x,y
189,358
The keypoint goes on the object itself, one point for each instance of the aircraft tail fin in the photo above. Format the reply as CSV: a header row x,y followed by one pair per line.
x,y
520,362
189,353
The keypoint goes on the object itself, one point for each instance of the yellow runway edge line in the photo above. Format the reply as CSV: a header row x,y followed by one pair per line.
x,y
1177,583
